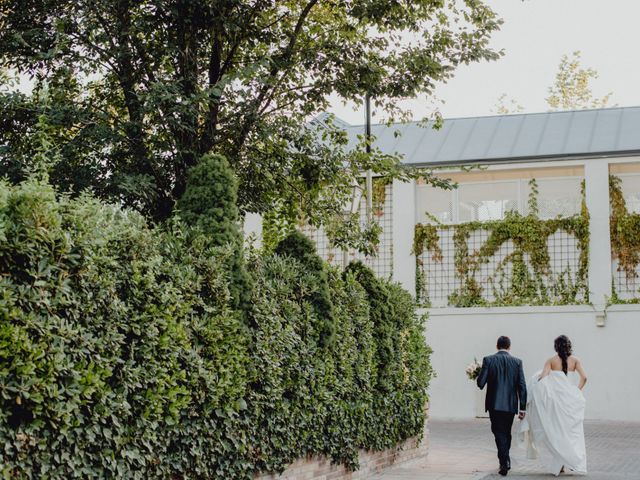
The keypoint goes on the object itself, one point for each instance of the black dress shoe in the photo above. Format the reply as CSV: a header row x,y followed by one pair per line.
x,y
503,471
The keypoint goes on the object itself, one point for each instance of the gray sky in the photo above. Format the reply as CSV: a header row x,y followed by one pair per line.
x,y
535,34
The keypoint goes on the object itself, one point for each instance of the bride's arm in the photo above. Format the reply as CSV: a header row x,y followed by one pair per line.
x,y
582,373
545,370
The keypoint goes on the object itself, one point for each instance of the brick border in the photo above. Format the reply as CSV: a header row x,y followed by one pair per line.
x,y
371,463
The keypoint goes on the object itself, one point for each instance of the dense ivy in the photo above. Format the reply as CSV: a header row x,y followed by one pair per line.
x,y
113,339
310,399
122,355
401,361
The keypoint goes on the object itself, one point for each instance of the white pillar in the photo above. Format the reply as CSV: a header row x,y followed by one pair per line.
x,y
596,174
404,208
252,227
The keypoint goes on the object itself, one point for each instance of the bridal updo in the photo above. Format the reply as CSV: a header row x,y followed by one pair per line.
x,y
562,345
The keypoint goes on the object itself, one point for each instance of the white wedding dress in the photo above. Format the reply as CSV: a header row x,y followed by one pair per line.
x,y
554,420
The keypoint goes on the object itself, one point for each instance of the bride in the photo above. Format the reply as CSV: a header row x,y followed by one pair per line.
x,y
555,412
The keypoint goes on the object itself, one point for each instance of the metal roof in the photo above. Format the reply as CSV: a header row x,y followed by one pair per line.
x,y
531,136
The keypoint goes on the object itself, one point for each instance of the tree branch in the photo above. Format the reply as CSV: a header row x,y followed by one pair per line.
x,y
127,74
215,73
276,67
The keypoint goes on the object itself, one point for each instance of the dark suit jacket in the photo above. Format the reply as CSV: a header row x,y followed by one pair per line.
x,y
506,387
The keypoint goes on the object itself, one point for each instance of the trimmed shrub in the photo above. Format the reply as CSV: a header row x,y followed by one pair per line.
x,y
401,360
112,337
333,400
308,399
299,247
209,205
122,355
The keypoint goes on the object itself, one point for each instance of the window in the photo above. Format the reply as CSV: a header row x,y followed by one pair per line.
x,y
491,200
486,201
557,197
435,202
631,191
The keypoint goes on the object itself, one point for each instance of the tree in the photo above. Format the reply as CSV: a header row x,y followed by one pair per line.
x,y
133,93
505,105
572,87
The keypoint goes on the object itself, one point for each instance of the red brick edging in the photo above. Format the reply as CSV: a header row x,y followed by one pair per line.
x,y
320,468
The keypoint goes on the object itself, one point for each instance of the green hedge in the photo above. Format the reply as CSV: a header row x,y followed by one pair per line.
x,y
112,338
121,354
209,205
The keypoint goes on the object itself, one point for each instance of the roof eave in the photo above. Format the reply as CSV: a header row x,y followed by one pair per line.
x,y
526,159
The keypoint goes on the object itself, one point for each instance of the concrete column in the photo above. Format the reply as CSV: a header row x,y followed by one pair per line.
x,y
596,174
404,214
252,226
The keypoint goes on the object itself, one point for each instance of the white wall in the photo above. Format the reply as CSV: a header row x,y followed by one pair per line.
x,y
610,354
252,228
403,221
596,176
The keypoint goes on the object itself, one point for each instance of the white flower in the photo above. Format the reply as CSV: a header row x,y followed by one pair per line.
x,y
473,369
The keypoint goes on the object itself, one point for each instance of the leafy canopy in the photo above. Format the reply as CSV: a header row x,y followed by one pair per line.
x,y
130,94
571,89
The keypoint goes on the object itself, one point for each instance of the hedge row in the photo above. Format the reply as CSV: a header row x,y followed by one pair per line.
x,y
122,354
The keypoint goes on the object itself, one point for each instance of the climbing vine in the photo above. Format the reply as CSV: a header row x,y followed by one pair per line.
x,y
625,230
425,237
522,277
379,194
625,237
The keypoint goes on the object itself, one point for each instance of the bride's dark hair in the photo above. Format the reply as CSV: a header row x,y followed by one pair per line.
x,y
562,345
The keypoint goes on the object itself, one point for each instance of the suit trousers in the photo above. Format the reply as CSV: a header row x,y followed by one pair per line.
x,y
501,423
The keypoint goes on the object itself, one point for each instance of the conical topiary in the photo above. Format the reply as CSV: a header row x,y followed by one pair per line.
x,y
209,204
298,246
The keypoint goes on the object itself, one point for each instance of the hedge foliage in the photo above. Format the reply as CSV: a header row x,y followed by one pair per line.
x,y
209,206
122,353
298,246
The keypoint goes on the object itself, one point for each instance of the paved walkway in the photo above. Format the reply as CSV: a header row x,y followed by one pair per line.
x,y
465,450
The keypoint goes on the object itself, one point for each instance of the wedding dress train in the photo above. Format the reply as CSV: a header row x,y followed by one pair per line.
x,y
555,416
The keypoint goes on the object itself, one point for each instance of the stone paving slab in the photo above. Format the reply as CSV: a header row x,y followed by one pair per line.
x,y
590,476
465,450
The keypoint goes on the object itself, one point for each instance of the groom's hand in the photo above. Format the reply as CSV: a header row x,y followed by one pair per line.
x,y
521,415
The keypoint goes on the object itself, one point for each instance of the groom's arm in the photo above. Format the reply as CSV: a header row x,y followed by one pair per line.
x,y
522,388
484,374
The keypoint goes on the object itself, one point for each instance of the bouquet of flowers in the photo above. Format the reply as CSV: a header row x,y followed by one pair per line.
x,y
473,369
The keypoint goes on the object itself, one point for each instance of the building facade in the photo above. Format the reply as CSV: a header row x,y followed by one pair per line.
x,y
540,237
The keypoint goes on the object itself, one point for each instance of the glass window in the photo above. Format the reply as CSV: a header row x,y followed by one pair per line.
x,y
631,192
491,200
486,201
557,197
434,202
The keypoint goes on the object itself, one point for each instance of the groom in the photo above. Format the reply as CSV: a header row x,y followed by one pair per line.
x,y
506,390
